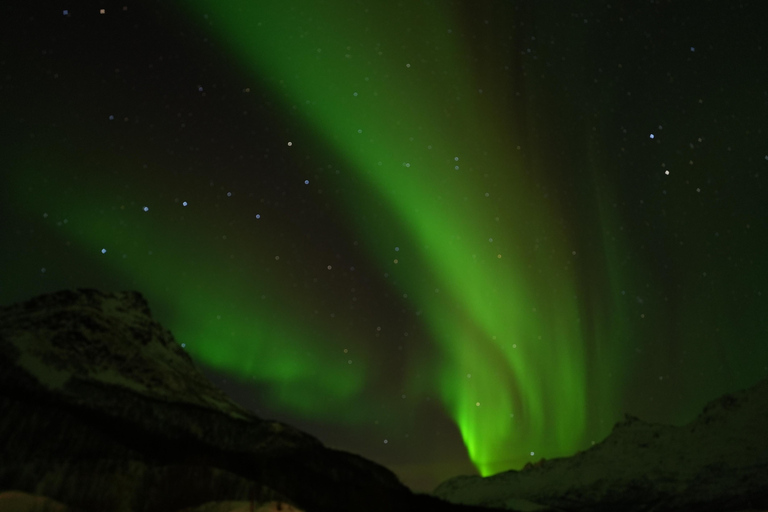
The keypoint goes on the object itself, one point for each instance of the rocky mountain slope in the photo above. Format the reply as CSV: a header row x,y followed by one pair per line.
x,y
102,410
716,463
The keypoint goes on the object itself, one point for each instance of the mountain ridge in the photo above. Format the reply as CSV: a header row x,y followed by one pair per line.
x,y
716,462
102,410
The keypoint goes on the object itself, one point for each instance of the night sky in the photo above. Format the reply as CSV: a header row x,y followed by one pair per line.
x,y
452,237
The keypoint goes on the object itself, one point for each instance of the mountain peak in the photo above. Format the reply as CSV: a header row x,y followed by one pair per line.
x,y
102,410
75,337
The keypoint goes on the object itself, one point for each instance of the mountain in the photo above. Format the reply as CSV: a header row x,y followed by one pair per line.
x,y
102,410
716,463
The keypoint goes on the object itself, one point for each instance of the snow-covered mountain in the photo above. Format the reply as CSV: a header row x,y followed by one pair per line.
x,y
716,463
102,410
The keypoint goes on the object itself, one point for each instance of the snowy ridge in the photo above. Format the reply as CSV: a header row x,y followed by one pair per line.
x,y
717,462
109,339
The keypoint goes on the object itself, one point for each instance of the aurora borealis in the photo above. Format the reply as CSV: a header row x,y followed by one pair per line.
x,y
446,236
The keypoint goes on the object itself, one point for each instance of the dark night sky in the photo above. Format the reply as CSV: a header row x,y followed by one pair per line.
x,y
452,237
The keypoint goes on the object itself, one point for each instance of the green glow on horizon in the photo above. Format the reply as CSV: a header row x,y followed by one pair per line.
x,y
512,322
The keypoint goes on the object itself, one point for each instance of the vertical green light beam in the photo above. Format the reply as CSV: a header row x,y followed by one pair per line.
x,y
390,88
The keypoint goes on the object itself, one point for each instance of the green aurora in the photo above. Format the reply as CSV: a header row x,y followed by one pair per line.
x,y
511,367
458,206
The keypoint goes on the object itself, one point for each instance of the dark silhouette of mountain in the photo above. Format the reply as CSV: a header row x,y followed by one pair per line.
x,y
102,410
